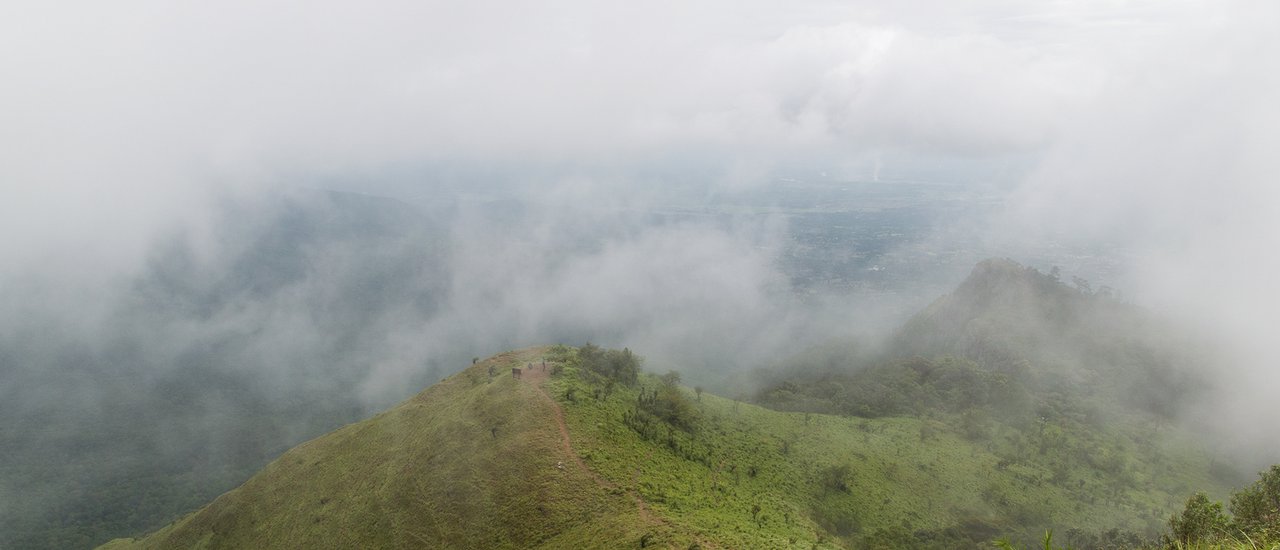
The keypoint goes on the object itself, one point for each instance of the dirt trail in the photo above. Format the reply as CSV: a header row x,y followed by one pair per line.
x,y
537,378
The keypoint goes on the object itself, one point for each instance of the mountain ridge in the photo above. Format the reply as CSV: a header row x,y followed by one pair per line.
x,y
482,460
985,437
397,454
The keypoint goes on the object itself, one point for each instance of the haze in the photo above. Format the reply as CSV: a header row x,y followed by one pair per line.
x,y
622,173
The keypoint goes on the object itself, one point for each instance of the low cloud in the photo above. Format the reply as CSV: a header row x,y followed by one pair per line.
x,y
151,158
1174,164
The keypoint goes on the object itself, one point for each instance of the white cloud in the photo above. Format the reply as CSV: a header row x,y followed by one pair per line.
x,y
1175,161
1154,119
153,95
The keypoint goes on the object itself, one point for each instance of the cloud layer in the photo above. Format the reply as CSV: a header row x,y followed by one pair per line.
x,y
125,128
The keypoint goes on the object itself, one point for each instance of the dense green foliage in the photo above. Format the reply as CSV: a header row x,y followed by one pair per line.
x,y
1255,516
1200,520
1256,509
620,366
668,403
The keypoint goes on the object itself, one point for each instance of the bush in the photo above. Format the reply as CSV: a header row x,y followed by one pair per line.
x,y
669,404
835,478
838,520
1257,508
620,365
1201,520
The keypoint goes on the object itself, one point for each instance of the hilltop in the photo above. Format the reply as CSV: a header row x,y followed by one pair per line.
x,y
470,462
1019,321
593,454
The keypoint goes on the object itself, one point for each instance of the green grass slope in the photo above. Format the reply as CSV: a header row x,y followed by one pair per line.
x,y
433,472
1004,316
750,477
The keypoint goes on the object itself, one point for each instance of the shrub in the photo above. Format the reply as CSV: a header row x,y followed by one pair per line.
x,y
1201,520
1257,508
838,520
835,478
670,405
620,365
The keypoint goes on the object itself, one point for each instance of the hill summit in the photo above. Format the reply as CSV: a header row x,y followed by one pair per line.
x,y
1020,321
999,418
1000,303
479,460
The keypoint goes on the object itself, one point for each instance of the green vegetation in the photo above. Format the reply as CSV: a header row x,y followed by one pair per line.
x,y
1016,424
1200,526
469,463
1255,517
753,477
478,461
1071,383
619,366
1256,509
1200,520
905,387
1084,347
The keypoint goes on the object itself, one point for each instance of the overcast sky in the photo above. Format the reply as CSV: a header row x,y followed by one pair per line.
x,y
1148,123
143,105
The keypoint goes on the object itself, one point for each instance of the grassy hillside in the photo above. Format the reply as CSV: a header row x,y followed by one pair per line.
x,y
890,482
480,461
469,463
1071,383
1016,320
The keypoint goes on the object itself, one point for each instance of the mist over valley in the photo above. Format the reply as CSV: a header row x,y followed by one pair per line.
x,y
847,275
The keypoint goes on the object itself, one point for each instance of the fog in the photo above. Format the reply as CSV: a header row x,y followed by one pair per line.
x,y
1173,163
330,207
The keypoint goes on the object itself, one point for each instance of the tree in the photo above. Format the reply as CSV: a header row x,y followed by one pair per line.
x,y
620,365
670,404
671,378
834,478
1201,520
1257,508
